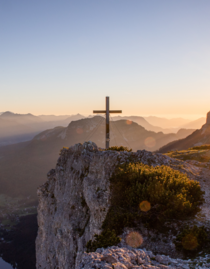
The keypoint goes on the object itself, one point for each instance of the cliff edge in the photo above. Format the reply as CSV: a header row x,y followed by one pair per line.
x,y
73,204
74,201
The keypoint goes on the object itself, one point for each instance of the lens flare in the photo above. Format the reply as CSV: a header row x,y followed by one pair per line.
x,y
128,122
134,239
150,142
79,130
189,242
144,206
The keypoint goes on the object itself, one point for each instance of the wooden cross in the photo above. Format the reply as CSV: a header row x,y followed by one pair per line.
x,y
107,111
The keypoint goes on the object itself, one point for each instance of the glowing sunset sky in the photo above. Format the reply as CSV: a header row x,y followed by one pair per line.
x,y
63,57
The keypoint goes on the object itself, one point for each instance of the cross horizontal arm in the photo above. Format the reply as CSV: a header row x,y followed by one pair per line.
x,y
104,111
99,111
115,111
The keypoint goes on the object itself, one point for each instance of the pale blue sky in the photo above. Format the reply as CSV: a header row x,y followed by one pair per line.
x,y
151,57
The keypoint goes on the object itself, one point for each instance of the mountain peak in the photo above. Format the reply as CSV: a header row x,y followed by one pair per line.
x,y
7,113
208,118
197,138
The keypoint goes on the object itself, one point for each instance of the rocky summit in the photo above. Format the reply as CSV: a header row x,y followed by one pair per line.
x,y
208,118
128,258
74,203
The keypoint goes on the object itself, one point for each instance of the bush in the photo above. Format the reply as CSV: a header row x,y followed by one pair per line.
x,y
206,146
105,239
121,148
152,195
192,239
169,193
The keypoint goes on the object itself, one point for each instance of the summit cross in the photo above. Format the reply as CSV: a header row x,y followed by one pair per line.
x,y
107,111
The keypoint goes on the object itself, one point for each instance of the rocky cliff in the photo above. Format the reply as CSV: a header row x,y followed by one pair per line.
x,y
208,118
74,202
124,258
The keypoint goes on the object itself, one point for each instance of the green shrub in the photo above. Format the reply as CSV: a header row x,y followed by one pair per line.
x,y
199,155
170,193
206,146
161,192
121,148
192,239
106,239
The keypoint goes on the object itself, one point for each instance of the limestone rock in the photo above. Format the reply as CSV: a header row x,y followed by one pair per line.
x,y
74,202
208,118
137,259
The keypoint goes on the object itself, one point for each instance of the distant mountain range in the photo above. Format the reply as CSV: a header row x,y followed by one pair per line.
x,y
164,125
167,123
24,166
122,132
144,123
196,124
197,138
16,128
63,120
20,118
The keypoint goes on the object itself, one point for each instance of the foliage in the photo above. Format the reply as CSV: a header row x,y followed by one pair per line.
x,y
152,195
192,239
170,193
66,148
206,146
200,154
121,148
105,239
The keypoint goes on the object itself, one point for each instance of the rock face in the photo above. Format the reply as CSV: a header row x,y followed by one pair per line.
x,y
128,258
74,202
208,118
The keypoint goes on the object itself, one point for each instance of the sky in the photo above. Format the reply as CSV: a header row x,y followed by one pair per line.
x,y
63,57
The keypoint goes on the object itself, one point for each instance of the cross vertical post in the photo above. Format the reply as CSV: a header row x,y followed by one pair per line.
x,y
107,112
107,122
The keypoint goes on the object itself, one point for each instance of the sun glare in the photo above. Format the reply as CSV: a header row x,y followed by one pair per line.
x,y
145,206
150,142
134,239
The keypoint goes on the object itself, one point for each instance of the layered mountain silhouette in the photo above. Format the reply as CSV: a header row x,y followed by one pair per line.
x,y
16,128
196,124
197,138
167,123
123,132
20,118
144,123
23,166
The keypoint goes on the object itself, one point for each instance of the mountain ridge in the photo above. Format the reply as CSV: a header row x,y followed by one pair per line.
x,y
23,127
197,138
32,160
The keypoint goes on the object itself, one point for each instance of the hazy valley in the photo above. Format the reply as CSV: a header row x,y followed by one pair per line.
x,y
15,128
23,166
